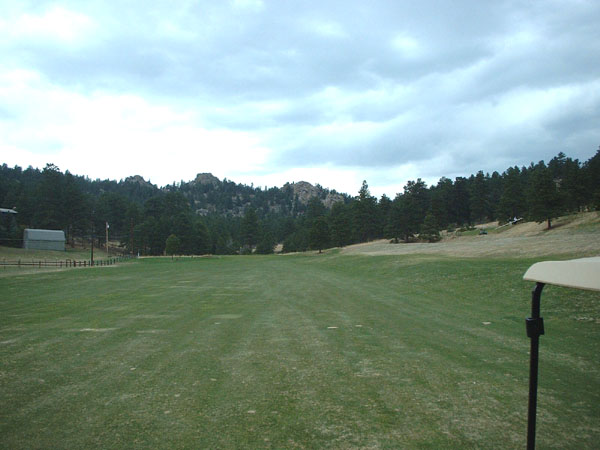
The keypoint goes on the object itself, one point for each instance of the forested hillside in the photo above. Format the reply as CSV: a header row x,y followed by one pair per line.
x,y
209,215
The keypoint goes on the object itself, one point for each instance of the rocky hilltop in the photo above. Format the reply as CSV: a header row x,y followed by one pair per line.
x,y
206,178
304,191
209,196
139,180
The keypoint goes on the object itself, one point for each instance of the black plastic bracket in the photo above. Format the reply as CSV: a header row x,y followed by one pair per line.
x,y
535,327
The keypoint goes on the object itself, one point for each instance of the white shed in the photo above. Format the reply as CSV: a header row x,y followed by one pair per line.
x,y
44,239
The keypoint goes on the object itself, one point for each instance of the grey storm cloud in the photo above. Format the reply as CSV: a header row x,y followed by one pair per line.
x,y
350,83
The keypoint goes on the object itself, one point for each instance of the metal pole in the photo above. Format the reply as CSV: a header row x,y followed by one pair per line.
x,y
535,328
131,237
92,255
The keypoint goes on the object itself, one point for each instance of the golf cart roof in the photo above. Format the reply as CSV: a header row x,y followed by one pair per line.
x,y
581,273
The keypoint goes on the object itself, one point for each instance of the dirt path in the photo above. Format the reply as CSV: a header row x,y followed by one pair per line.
x,y
574,235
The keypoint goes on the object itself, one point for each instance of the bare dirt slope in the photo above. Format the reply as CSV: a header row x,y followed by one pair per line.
x,y
577,235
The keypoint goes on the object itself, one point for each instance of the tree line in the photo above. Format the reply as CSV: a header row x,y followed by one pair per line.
x,y
223,217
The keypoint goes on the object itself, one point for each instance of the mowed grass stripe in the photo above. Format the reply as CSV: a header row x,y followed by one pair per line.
x,y
292,351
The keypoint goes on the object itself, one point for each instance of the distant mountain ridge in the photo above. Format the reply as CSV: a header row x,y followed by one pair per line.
x,y
208,195
222,217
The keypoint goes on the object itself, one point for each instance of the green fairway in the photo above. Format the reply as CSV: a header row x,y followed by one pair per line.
x,y
297,351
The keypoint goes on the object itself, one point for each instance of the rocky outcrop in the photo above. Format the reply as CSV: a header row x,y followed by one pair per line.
x,y
207,178
332,198
305,191
137,179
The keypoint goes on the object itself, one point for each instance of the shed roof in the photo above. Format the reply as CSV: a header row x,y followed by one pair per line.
x,y
581,273
44,235
7,211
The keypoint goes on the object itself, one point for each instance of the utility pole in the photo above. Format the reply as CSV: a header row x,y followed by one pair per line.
x,y
107,226
92,254
131,236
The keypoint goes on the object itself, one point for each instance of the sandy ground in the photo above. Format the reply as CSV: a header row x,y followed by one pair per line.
x,y
574,235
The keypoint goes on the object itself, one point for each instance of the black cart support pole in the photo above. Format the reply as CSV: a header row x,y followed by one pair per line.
x,y
535,328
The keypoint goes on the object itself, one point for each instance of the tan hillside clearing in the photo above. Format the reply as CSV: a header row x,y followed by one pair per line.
x,y
573,235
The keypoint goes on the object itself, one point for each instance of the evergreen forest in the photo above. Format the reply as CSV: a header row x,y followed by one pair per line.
x,y
212,216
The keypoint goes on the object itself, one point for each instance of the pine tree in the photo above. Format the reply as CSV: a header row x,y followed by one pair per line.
x,y
314,209
319,234
461,201
512,200
76,209
478,197
250,228
365,214
591,177
266,244
172,245
430,230
49,210
398,225
384,208
544,198
340,225
441,196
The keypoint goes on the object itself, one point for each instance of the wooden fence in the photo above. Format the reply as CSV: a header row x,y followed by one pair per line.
x,y
60,263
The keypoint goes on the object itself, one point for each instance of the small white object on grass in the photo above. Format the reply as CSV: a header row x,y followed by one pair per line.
x,y
331,328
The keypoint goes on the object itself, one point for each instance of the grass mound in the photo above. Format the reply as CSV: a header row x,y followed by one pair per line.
x,y
576,235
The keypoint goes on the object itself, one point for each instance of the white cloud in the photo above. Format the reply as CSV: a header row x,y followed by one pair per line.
x,y
106,135
408,46
269,92
326,29
55,23
248,5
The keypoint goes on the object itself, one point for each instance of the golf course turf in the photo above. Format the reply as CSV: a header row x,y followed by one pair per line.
x,y
293,351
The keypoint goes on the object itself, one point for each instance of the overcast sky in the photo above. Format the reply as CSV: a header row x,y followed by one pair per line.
x,y
330,92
